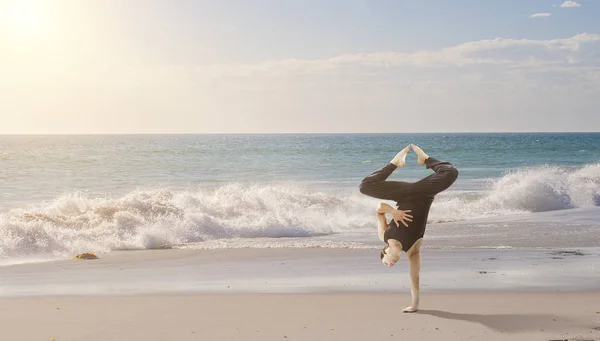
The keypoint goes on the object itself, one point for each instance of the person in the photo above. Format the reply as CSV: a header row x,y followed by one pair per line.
x,y
405,231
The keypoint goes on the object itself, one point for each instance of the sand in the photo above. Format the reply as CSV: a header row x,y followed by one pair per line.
x,y
303,271
303,294
451,316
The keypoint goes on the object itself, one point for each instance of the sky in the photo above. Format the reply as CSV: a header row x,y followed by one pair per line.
x,y
298,66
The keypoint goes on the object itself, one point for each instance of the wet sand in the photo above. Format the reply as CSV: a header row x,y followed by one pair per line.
x,y
303,294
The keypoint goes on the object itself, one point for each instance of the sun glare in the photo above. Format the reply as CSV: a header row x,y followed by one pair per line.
x,y
25,19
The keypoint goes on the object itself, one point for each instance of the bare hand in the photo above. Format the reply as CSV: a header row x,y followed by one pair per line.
x,y
403,217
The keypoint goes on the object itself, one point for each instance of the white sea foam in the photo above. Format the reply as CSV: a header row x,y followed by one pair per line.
x,y
147,219
157,218
538,189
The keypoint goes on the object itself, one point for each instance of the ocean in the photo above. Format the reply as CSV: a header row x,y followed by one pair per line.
x,y
62,195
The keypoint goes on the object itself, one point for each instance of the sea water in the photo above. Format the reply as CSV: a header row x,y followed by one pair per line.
x,y
60,195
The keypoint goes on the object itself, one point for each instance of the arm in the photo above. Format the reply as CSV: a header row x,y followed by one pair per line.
x,y
382,210
399,216
385,208
381,224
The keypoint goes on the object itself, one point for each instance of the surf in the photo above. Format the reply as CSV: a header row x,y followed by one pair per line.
x,y
522,191
162,217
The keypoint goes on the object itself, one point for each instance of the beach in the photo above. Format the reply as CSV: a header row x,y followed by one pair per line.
x,y
303,294
202,170
194,245
458,316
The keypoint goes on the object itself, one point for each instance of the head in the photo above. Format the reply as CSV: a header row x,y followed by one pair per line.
x,y
388,257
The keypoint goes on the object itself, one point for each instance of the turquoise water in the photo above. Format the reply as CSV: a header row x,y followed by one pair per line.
x,y
60,194
36,167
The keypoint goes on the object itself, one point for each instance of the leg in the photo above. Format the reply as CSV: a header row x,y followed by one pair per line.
x,y
375,185
444,176
414,256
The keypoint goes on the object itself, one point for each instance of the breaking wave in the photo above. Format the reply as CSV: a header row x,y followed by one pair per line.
x,y
159,218
528,190
147,219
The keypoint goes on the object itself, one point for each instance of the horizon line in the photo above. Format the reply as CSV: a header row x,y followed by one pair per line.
x,y
311,133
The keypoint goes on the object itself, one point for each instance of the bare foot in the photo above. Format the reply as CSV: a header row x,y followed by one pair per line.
x,y
422,157
400,157
410,309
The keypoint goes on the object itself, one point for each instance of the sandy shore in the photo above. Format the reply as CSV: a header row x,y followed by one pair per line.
x,y
452,316
303,294
312,270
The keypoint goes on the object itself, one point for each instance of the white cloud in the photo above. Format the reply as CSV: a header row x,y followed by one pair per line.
x,y
540,15
570,4
499,84
503,52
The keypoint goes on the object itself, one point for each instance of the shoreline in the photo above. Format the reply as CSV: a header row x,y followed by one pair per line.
x,y
312,270
304,294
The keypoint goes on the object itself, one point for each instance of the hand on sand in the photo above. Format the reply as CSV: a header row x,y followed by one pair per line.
x,y
410,309
422,157
403,217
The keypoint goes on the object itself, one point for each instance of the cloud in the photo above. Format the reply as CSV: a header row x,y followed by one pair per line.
x,y
499,84
540,15
570,3
505,52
